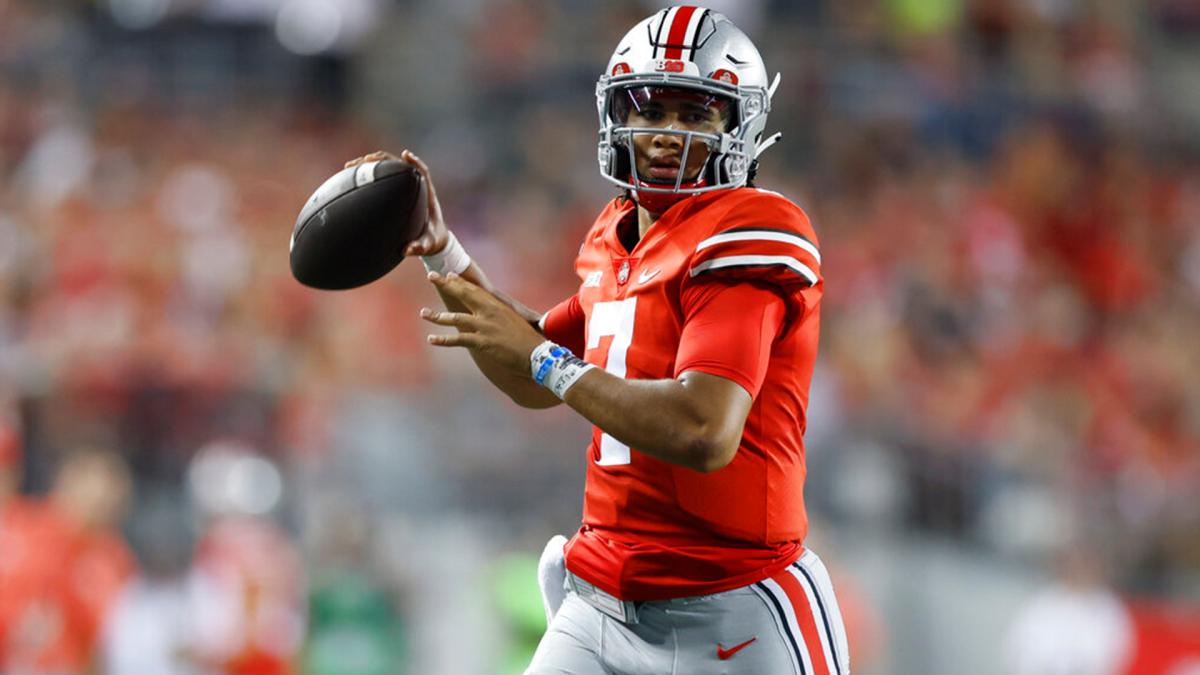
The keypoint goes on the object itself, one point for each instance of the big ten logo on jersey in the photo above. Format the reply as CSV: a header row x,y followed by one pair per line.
x,y
593,279
613,320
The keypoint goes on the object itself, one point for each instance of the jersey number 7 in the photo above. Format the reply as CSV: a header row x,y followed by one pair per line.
x,y
613,319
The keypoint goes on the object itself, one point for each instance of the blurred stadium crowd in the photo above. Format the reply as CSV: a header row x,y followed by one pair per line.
x,y
1007,191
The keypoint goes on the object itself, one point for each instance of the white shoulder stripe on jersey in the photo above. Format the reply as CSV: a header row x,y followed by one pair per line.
x,y
761,235
756,261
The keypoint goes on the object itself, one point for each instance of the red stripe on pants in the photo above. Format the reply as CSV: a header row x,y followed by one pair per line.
x,y
679,31
804,616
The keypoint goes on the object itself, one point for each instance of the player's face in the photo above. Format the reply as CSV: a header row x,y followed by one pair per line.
x,y
659,155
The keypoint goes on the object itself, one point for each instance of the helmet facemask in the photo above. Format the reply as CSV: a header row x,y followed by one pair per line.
x,y
700,119
728,161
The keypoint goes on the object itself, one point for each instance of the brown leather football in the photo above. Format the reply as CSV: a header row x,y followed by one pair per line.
x,y
354,228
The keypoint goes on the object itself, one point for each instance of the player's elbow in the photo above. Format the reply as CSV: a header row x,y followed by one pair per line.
x,y
707,453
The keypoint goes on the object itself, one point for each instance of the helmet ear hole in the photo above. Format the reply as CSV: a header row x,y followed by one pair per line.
x,y
723,172
714,174
621,165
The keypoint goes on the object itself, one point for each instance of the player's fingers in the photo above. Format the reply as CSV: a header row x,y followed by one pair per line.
x,y
469,340
377,156
422,245
471,291
435,208
459,320
458,288
411,158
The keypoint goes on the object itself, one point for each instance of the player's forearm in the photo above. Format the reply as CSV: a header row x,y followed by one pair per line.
x,y
695,421
670,420
522,390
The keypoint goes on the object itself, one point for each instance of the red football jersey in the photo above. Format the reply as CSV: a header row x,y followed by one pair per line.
x,y
57,585
653,530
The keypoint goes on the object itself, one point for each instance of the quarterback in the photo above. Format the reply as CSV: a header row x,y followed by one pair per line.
x,y
689,345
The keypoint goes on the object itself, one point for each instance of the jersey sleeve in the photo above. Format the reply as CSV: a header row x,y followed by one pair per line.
x,y
728,331
766,239
564,324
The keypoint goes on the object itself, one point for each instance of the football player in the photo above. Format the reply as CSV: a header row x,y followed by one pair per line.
x,y
690,346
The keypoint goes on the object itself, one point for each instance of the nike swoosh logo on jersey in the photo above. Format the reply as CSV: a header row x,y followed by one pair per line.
x,y
647,276
724,654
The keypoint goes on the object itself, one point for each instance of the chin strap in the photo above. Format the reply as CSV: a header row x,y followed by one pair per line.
x,y
659,202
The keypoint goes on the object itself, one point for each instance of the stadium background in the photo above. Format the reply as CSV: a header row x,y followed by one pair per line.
x,y
1004,446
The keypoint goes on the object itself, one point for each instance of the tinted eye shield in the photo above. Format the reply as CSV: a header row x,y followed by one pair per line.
x,y
648,99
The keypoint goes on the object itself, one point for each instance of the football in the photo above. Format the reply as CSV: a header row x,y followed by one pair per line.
x,y
354,228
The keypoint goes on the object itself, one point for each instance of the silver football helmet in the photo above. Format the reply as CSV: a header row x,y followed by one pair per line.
x,y
701,51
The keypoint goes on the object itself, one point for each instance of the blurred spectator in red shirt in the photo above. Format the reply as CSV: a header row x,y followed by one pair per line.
x,y
64,563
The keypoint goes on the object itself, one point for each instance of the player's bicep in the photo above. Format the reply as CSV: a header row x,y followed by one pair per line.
x,y
728,332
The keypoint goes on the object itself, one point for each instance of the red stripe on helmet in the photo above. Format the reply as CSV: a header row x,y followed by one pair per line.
x,y
678,32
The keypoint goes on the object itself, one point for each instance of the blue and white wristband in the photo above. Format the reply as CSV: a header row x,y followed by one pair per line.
x,y
556,368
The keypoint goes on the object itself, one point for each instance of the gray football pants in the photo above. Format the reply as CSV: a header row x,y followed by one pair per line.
x,y
789,623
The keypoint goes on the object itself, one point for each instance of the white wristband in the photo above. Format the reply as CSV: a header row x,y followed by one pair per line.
x,y
556,368
452,259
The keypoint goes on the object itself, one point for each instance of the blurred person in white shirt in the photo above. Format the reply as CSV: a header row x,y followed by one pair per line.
x,y
1075,625
153,627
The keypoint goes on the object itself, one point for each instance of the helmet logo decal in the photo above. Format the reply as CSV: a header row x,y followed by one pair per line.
x,y
722,75
621,69
669,66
